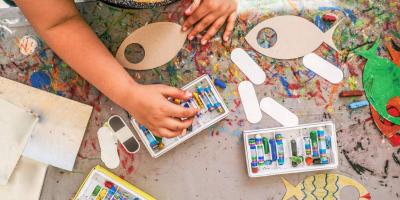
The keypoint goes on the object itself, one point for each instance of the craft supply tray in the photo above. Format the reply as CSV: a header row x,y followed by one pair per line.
x,y
207,119
297,133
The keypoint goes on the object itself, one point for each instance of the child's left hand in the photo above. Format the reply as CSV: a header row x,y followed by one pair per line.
x,y
212,14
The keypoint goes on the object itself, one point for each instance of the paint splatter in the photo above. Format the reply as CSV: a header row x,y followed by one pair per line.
x,y
40,80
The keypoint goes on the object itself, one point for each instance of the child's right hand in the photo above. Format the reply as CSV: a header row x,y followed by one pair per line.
x,y
149,105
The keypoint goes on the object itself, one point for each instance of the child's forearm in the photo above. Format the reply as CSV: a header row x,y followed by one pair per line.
x,y
60,25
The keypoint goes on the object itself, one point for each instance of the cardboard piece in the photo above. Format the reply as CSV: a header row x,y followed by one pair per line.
x,y
331,184
278,112
247,65
16,126
109,147
59,133
323,68
250,103
161,42
380,81
26,181
296,37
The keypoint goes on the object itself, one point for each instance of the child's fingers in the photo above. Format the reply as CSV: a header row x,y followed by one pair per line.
x,y
174,92
203,24
195,4
213,29
229,26
194,18
164,132
176,124
179,111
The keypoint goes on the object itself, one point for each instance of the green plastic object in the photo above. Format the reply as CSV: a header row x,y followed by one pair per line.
x,y
381,81
296,160
266,145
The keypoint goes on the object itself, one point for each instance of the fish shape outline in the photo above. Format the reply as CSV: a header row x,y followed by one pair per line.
x,y
296,37
381,81
161,42
323,186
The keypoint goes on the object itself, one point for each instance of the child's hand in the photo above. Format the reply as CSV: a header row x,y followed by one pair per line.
x,y
212,14
150,107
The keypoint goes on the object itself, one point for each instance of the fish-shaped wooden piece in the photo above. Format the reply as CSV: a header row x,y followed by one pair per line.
x,y
381,81
296,37
160,41
323,186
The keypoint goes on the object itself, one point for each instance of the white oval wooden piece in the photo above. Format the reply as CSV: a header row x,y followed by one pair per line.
x,y
108,147
323,68
161,42
247,65
250,102
278,112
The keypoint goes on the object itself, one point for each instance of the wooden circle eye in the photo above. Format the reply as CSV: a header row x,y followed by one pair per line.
x,y
135,53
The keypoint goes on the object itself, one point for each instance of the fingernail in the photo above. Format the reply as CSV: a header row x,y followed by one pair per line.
x,y
191,37
203,42
188,94
184,28
187,11
226,38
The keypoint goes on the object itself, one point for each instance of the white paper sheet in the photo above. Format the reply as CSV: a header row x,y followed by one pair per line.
x,y
16,126
62,123
26,181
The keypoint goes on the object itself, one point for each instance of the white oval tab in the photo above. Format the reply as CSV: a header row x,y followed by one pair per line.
x,y
323,68
247,65
278,112
108,147
250,102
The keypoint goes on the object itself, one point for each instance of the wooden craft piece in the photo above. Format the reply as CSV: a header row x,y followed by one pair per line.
x,y
26,182
109,147
138,3
330,184
161,42
388,129
278,112
247,65
59,133
323,68
296,37
16,127
250,102
395,54
380,81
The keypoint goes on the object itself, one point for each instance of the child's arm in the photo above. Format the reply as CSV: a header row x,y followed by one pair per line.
x,y
211,14
58,22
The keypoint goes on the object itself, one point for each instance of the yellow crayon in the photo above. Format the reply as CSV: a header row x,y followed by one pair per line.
x,y
177,101
102,194
198,100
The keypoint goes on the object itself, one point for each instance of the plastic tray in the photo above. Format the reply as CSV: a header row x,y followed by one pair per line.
x,y
214,118
297,133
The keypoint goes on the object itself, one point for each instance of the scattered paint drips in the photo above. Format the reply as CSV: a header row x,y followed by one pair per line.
x,y
40,80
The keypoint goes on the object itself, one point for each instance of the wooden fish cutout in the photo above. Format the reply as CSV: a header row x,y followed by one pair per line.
x,y
296,37
161,42
323,186
381,81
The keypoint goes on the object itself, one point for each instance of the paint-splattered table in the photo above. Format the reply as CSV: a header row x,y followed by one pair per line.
x,y
212,165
